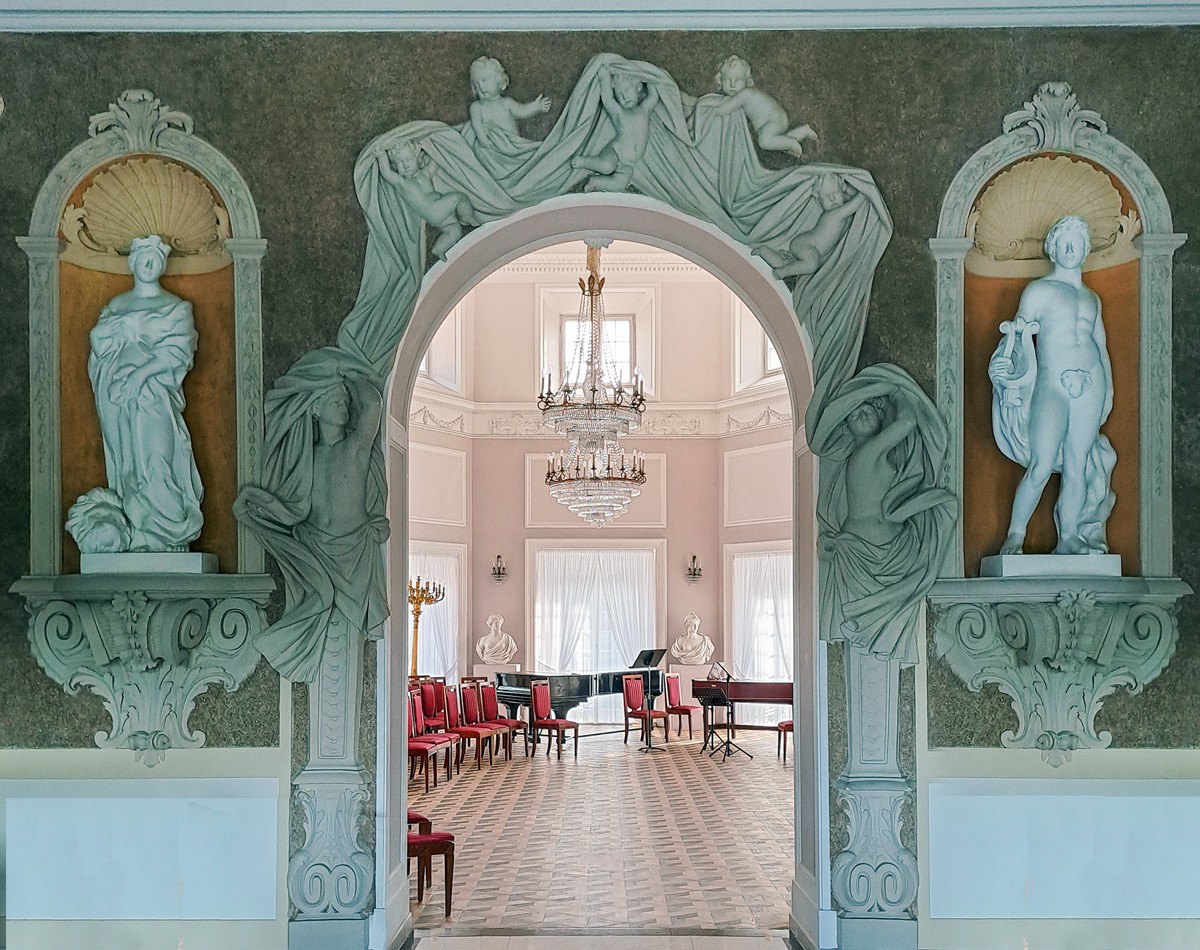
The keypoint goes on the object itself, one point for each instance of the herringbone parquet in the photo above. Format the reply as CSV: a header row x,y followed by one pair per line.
x,y
669,841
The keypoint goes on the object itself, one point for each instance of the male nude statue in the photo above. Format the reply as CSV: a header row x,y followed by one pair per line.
x,y
1061,396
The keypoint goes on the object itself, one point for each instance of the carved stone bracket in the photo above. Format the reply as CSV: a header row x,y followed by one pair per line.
x,y
147,645
1057,647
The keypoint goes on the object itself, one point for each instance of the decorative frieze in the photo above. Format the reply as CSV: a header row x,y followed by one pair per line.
x,y
147,645
1057,648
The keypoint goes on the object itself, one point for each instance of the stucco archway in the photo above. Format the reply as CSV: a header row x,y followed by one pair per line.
x,y
644,220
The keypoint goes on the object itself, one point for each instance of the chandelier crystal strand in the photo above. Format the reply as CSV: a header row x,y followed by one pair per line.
x,y
595,477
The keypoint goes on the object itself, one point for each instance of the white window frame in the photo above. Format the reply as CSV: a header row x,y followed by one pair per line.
x,y
752,367
609,318
641,303
458,552
441,366
534,545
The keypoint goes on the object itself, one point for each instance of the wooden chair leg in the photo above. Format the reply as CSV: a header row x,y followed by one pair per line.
x,y
449,875
421,878
575,732
689,725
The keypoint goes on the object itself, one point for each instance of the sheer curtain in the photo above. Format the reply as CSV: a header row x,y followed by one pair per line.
x,y
441,623
761,588
594,610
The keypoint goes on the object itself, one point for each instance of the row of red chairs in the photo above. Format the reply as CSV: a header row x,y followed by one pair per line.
x,y
444,720
633,691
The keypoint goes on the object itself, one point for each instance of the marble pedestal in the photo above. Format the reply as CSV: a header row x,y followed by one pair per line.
x,y
1051,565
491,669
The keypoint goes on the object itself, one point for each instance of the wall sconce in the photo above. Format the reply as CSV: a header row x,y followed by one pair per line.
x,y
694,570
499,571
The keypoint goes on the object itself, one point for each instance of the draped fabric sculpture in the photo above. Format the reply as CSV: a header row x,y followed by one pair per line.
x,y
320,509
884,523
142,347
1050,400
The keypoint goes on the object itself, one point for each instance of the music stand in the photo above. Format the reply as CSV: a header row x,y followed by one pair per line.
x,y
645,662
713,698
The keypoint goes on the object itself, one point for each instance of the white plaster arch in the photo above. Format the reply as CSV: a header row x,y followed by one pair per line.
x,y
642,220
138,123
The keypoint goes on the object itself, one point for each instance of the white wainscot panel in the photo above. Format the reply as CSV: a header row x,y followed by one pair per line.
x,y
758,484
437,485
1016,848
195,849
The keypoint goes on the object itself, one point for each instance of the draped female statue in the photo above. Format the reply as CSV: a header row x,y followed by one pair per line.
x,y
141,348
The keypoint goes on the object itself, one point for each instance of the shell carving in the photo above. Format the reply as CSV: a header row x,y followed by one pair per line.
x,y
143,196
1012,216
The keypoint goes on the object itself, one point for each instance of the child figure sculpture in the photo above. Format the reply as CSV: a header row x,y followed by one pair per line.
x,y
766,116
811,248
493,112
621,96
411,177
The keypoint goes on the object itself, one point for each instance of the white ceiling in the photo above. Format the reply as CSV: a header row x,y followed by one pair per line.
x,y
477,15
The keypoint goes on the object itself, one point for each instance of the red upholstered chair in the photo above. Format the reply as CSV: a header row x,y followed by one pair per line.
x,y
466,731
676,707
433,703
542,715
424,825
491,716
423,749
781,735
633,690
472,710
423,847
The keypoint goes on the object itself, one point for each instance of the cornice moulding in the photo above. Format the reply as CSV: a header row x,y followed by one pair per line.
x,y
411,15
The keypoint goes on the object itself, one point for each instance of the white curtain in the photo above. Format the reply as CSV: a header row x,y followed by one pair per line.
x,y
441,623
594,611
761,588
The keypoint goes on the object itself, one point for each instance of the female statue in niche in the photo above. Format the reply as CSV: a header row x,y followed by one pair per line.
x,y
692,648
142,347
496,646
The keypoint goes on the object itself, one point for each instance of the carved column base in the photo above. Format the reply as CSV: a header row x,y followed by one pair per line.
x,y
1056,647
332,874
874,933
875,876
147,645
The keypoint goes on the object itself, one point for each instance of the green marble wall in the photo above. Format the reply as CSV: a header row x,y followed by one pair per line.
x,y
293,111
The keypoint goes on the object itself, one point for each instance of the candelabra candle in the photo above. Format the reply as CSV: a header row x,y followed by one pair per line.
x,y
421,595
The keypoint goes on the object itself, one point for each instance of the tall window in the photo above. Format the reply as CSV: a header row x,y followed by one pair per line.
x,y
761,632
441,623
619,343
594,610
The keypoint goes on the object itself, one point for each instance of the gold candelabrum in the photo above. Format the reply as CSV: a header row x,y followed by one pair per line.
x,y
421,595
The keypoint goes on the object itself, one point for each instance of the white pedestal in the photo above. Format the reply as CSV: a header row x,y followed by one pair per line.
x,y
1051,565
149,562
491,669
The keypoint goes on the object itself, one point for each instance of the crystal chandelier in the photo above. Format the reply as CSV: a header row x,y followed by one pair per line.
x,y
595,477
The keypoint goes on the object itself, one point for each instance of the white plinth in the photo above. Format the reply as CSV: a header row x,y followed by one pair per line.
x,y
149,562
491,669
1051,565
688,672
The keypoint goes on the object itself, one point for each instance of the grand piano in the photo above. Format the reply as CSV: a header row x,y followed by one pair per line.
x,y
567,690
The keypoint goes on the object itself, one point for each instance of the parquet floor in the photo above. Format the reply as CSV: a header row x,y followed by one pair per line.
x,y
618,842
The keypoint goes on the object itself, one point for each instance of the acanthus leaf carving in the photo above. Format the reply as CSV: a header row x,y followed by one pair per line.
x,y
147,655
1054,120
1057,656
332,873
140,118
875,875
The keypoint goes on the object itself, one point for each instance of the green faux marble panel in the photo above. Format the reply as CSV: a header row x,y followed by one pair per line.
x,y
293,111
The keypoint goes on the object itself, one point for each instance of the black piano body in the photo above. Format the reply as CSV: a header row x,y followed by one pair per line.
x,y
567,690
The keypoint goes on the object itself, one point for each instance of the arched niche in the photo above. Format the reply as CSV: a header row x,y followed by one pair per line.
x,y
1053,125
138,131
147,643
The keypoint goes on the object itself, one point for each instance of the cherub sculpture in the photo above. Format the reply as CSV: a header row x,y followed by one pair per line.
x,y
811,248
494,114
621,96
410,175
766,116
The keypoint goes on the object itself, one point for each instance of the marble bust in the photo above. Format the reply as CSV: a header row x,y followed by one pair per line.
x,y
496,646
142,346
692,648
1050,400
